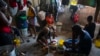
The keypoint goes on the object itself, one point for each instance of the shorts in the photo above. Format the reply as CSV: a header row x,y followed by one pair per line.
x,y
31,20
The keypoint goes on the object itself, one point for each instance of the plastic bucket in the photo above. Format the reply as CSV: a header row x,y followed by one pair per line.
x,y
24,32
59,26
97,43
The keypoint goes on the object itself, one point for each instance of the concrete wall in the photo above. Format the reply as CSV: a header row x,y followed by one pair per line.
x,y
84,13
35,2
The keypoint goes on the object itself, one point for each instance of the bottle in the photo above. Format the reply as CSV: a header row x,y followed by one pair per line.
x,y
17,41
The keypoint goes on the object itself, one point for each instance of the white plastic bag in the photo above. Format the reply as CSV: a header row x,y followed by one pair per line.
x,y
61,9
13,10
36,21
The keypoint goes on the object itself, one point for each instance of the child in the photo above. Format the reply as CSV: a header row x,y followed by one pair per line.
x,y
47,32
90,27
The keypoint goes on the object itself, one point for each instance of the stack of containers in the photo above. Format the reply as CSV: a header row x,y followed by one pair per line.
x,y
22,24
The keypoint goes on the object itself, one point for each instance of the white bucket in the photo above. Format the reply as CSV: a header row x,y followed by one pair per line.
x,y
24,32
59,26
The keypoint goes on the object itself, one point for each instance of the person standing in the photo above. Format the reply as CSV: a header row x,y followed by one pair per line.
x,y
31,16
90,27
6,37
73,7
5,21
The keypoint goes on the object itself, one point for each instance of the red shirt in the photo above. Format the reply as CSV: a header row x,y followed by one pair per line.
x,y
50,19
4,28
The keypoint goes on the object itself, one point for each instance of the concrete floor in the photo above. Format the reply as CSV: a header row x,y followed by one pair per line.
x,y
32,50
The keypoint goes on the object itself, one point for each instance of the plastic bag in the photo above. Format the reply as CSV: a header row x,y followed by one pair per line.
x,y
61,9
36,21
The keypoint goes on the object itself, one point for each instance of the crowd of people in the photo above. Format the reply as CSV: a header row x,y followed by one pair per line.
x,y
42,22
12,23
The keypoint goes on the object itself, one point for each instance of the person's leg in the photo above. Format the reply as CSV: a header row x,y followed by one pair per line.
x,y
42,42
18,33
34,29
49,36
29,29
73,10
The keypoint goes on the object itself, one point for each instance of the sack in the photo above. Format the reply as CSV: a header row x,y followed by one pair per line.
x,y
36,21
13,10
42,14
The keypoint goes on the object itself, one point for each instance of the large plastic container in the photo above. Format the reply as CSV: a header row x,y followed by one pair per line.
x,y
21,20
22,24
61,42
97,43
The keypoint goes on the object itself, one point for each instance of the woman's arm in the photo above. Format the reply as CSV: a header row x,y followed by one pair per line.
x,y
33,10
4,18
